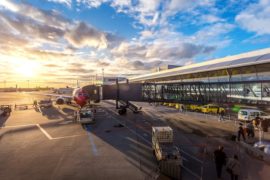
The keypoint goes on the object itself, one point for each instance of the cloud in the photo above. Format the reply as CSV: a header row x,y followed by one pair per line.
x,y
101,63
213,34
180,52
8,5
79,70
76,65
8,40
31,27
83,35
255,18
46,55
91,3
137,65
164,49
130,50
66,2
52,65
150,12
210,18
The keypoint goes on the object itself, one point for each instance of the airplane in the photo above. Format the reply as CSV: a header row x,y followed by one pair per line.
x,y
78,95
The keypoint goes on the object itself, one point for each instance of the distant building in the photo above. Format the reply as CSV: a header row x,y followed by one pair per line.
x,y
164,67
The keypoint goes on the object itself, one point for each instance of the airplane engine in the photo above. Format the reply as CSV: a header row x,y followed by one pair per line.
x,y
60,100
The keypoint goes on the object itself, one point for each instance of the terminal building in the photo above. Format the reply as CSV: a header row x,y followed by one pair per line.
x,y
243,79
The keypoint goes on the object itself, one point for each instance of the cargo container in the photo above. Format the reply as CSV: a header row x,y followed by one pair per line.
x,y
167,154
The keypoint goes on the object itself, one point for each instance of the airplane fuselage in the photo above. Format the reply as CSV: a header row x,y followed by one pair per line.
x,y
80,96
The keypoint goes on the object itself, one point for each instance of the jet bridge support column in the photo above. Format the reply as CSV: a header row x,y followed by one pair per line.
x,y
117,94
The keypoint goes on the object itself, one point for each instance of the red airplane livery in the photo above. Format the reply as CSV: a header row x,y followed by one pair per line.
x,y
78,95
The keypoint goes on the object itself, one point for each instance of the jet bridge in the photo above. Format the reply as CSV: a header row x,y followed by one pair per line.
x,y
240,92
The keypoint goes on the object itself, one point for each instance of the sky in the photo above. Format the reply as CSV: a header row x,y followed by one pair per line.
x,y
56,42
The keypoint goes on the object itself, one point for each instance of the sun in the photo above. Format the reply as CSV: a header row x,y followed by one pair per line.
x,y
27,70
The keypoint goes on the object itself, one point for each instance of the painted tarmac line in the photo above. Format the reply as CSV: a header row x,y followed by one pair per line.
x,y
133,132
91,140
44,132
64,137
23,125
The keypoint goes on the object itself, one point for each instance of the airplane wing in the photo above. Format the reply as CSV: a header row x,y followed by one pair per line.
x,y
55,95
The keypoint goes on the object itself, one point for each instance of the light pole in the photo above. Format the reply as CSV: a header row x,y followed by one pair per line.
x,y
28,83
102,75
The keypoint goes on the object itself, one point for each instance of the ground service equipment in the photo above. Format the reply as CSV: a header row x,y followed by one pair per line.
x,y
5,110
85,115
166,153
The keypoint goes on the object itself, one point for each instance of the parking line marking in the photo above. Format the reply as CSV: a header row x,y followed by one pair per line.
x,y
93,145
44,132
63,137
132,131
23,125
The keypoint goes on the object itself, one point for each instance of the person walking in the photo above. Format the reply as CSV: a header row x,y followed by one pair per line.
x,y
241,132
257,121
220,160
221,116
250,130
233,167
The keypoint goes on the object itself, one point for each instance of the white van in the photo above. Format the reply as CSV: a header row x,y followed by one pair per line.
x,y
250,114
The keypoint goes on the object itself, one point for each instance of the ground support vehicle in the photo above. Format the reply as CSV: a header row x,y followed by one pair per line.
x,y
46,103
166,153
85,115
126,104
5,110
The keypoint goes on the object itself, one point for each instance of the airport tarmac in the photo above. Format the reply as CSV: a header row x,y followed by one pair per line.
x,y
49,145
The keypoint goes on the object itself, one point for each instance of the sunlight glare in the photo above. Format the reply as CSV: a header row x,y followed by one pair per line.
x,y
27,69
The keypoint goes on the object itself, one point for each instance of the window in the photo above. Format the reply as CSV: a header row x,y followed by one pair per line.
x,y
243,112
85,114
254,114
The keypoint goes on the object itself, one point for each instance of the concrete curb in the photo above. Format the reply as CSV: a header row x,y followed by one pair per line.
x,y
3,131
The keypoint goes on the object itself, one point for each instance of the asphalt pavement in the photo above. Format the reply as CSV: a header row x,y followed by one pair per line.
x,y
49,145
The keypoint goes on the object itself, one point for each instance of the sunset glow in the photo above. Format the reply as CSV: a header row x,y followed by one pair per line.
x,y
27,70
61,41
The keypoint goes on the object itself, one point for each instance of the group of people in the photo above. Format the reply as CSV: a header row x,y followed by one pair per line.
x,y
242,132
232,165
